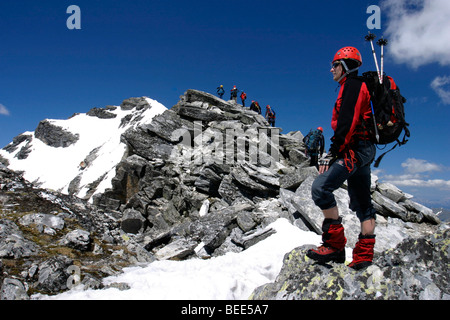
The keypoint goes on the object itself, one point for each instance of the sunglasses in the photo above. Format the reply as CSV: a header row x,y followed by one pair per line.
x,y
335,65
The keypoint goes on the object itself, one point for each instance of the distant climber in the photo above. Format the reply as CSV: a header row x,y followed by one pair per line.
x,y
234,93
220,91
243,97
270,115
315,145
255,107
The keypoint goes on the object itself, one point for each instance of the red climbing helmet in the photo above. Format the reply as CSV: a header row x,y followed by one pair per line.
x,y
320,129
348,53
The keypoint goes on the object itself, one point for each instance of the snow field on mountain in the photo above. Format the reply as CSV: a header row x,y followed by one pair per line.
x,y
55,168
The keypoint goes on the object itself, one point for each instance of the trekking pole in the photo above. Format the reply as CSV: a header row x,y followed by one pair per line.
x,y
382,43
377,135
370,37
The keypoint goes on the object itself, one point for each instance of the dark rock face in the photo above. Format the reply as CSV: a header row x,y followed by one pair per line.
x,y
54,136
16,141
101,113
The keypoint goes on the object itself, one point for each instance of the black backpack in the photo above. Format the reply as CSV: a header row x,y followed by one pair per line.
x,y
388,112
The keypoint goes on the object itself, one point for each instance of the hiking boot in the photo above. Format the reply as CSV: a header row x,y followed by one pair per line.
x,y
333,243
324,254
363,252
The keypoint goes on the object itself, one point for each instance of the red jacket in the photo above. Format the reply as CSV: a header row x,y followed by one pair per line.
x,y
352,106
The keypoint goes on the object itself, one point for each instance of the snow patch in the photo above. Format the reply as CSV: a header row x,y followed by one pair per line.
x,y
232,276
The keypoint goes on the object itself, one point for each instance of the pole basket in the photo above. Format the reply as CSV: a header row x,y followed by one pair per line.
x,y
382,42
370,37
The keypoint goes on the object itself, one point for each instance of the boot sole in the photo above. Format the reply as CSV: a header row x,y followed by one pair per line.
x,y
338,257
361,265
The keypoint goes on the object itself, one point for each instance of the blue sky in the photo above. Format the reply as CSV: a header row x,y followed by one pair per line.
x,y
279,52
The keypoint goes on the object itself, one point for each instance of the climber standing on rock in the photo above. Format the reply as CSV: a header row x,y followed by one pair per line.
x,y
234,93
220,91
349,158
270,115
315,145
243,97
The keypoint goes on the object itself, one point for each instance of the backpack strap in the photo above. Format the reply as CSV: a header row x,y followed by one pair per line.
x,y
399,143
377,162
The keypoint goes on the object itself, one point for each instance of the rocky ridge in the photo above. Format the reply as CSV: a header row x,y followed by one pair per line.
x,y
201,179
416,269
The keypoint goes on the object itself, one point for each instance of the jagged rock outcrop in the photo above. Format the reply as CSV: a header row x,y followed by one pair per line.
x,y
203,149
25,150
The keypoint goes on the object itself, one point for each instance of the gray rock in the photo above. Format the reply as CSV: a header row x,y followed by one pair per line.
x,y
131,103
13,289
41,219
304,204
246,220
229,191
77,239
251,238
390,206
170,126
242,177
176,250
293,179
427,213
146,145
208,182
101,113
53,274
416,269
200,113
207,98
213,229
132,221
54,136
11,147
391,192
12,242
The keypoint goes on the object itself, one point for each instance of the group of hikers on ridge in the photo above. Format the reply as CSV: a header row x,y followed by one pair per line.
x,y
270,114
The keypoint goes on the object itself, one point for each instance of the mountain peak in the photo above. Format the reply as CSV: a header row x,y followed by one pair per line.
x,y
59,154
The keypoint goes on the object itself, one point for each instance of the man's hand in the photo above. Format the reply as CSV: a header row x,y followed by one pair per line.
x,y
325,162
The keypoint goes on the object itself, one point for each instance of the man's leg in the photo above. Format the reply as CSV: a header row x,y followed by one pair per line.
x,y
332,213
361,202
333,236
368,227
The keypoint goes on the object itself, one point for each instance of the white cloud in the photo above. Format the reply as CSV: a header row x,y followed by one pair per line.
x,y
441,85
418,30
414,166
431,183
3,110
417,173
